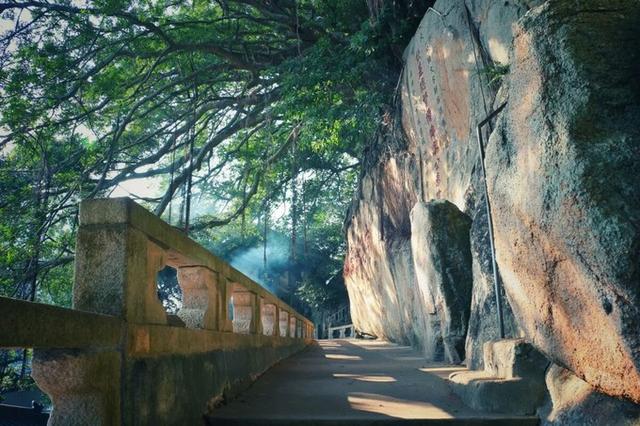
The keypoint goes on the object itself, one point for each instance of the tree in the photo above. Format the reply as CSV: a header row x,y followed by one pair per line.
x,y
246,114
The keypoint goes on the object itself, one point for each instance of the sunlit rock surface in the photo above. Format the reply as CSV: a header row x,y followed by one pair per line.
x,y
573,401
379,267
563,176
563,161
444,93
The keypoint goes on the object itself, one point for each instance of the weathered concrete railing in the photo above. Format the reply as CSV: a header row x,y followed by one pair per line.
x,y
117,357
342,331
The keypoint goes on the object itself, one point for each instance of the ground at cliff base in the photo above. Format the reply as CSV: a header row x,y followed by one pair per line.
x,y
356,382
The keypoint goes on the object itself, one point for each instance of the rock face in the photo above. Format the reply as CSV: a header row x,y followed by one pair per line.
x,y
442,260
573,401
379,264
444,93
562,164
563,177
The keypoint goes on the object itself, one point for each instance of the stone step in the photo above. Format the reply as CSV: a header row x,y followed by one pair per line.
x,y
481,390
488,421
512,358
512,381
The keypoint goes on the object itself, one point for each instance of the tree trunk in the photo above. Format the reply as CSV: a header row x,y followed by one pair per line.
x,y
293,278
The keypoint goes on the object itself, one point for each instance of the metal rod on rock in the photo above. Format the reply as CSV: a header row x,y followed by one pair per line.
x,y
496,285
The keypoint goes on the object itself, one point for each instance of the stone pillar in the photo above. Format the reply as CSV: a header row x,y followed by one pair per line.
x,y
199,297
292,326
225,291
116,265
244,312
256,317
276,320
84,385
284,323
268,318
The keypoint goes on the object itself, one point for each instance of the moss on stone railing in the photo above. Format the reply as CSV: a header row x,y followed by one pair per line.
x,y
117,357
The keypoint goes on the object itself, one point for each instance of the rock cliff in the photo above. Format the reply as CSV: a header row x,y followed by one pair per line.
x,y
562,169
445,92
562,165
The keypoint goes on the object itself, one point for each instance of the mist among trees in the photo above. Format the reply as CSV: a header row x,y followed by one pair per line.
x,y
246,118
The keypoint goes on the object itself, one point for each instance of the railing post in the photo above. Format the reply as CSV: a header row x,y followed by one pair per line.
x,y
116,265
115,273
225,289
268,317
276,320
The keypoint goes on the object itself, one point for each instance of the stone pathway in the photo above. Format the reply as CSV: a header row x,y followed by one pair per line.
x,y
355,382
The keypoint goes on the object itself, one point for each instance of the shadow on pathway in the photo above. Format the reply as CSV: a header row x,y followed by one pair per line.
x,y
355,382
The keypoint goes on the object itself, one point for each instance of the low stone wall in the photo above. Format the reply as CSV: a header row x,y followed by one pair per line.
x,y
163,375
118,357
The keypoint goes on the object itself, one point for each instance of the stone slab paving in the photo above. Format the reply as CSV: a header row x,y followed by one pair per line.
x,y
355,382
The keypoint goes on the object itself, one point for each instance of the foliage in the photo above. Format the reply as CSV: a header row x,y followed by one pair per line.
x,y
495,72
246,117
15,377
239,111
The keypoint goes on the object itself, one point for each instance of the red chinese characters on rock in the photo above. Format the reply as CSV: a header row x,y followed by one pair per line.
x,y
429,118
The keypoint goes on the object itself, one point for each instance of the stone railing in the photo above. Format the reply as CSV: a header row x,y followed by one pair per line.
x,y
342,332
117,357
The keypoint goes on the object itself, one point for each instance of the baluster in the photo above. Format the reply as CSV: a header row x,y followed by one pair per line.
x,y
199,297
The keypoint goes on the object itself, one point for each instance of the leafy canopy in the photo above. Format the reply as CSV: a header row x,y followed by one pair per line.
x,y
231,109
246,117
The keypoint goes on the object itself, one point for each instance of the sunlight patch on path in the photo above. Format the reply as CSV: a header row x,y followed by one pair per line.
x,y
395,407
366,378
343,357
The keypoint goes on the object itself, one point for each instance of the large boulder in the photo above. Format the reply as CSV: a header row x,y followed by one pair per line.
x,y
572,401
442,259
563,178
